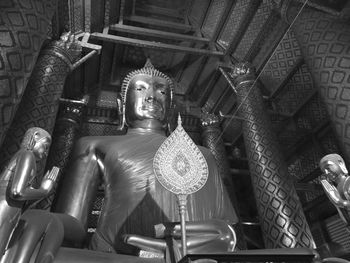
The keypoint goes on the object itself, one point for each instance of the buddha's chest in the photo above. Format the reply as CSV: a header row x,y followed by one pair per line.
x,y
129,165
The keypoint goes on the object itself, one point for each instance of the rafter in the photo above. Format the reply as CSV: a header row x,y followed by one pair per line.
x,y
154,45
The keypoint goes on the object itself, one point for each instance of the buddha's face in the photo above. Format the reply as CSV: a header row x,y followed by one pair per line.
x,y
147,102
41,147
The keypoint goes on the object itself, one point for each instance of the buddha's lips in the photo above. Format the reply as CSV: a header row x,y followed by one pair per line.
x,y
151,107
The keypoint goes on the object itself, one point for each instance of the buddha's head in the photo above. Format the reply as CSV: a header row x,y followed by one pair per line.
x,y
147,98
333,167
37,140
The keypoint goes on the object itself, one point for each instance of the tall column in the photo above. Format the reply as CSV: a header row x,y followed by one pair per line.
x,y
282,220
23,29
211,138
325,45
40,100
66,132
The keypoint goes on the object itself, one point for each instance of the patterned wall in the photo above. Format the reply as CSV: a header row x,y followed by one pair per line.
x,y
98,129
40,102
233,23
253,30
23,28
281,62
311,114
272,39
325,44
294,94
216,9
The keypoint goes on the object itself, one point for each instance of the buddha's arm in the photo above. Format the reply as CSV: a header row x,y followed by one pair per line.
x,y
20,188
79,186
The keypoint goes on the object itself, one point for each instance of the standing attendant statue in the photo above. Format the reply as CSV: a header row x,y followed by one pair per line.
x,y
336,184
16,181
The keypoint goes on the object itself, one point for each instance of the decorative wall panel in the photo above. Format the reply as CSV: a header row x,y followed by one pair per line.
x,y
255,26
325,44
282,61
40,102
23,28
216,9
98,129
233,22
272,39
77,20
312,114
329,142
293,95
306,162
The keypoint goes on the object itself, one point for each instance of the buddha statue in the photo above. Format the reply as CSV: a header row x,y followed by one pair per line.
x,y
336,184
137,212
16,181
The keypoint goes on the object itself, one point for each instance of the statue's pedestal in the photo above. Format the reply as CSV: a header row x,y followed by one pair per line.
x,y
257,255
72,255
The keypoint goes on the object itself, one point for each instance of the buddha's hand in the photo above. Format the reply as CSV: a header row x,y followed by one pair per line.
x,y
332,193
50,178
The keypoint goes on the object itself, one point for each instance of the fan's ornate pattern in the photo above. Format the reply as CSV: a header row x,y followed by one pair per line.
x,y
179,165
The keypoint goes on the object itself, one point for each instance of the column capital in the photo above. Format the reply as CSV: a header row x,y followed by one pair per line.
x,y
209,119
66,48
242,72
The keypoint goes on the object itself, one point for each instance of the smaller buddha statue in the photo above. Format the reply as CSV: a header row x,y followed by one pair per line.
x,y
336,184
16,181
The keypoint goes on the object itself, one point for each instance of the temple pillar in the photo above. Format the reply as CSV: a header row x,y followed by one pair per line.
x,y
40,102
23,29
211,138
282,220
324,41
66,132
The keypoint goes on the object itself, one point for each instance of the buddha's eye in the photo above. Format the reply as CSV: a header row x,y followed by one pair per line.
x,y
140,88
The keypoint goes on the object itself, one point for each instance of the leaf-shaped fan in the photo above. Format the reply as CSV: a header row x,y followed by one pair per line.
x,y
181,168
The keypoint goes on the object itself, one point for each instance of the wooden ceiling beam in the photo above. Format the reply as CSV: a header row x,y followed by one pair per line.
x,y
156,33
157,10
154,45
158,23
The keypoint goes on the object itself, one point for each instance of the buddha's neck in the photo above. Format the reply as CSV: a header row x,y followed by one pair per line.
x,y
146,131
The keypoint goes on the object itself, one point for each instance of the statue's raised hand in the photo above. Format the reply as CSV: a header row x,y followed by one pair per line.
x,y
332,193
50,178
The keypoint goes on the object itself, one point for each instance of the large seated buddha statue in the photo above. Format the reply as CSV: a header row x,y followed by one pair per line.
x,y
134,201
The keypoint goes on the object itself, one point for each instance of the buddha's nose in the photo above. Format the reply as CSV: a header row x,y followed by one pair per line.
x,y
150,98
